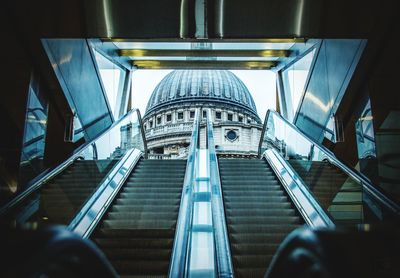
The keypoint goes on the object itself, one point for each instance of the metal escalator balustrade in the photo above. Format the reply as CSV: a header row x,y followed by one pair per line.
x,y
65,194
201,247
345,195
222,249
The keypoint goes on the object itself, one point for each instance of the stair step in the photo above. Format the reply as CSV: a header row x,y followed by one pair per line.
x,y
254,219
260,212
137,254
250,261
147,208
136,243
255,249
161,190
250,272
133,215
122,233
254,193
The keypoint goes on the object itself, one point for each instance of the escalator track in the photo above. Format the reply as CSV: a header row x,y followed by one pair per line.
x,y
137,232
259,214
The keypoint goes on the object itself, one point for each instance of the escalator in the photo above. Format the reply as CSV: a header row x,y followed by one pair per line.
x,y
65,193
295,182
127,204
346,196
258,211
137,232
202,216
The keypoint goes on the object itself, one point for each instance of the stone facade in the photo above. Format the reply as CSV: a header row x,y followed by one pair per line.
x,y
168,121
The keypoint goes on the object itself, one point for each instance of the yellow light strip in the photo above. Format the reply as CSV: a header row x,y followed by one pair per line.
x,y
191,64
203,53
166,40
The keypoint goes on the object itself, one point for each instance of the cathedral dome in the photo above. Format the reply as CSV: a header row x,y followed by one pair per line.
x,y
194,86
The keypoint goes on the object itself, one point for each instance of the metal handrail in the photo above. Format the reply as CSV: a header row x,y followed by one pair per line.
x,y
309,208
49,174
350,171
222,246
143,133
181,247
93,210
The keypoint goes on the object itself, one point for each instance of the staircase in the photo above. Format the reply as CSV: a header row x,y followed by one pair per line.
x,y
137,232
335,191
63,197
258,212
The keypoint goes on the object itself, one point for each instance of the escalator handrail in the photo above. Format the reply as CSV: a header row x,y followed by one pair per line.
x,y
350,171
181,246
49,174
309,208
91,213
222,246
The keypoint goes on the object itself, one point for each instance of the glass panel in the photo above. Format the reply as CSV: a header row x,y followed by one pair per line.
x,y
31,164
112,78
59,200
294,80
365,138
343,197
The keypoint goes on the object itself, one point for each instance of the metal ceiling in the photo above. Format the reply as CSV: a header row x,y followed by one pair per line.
x,y
243,32
206,54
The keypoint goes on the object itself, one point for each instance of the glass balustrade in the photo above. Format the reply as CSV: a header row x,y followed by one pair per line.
x,y
60,195
345,196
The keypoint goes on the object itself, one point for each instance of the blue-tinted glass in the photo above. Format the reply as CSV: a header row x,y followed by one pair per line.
x,y
294,80
112,77
33,144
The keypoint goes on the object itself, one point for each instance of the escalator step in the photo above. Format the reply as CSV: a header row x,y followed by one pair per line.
x,y
119,233
136,243
137,254
140,223
250,272
251,261
141,267
254,249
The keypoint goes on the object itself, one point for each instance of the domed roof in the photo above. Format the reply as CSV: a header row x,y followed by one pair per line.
x,y
181,86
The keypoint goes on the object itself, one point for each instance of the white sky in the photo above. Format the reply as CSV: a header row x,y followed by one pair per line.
x,y
261,84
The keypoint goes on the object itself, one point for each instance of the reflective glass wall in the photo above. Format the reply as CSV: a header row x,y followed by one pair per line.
x,y
294,80
112,77
332,70
33,144
365,139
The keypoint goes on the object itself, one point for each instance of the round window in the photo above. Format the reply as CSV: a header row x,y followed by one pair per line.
x,y
231,135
